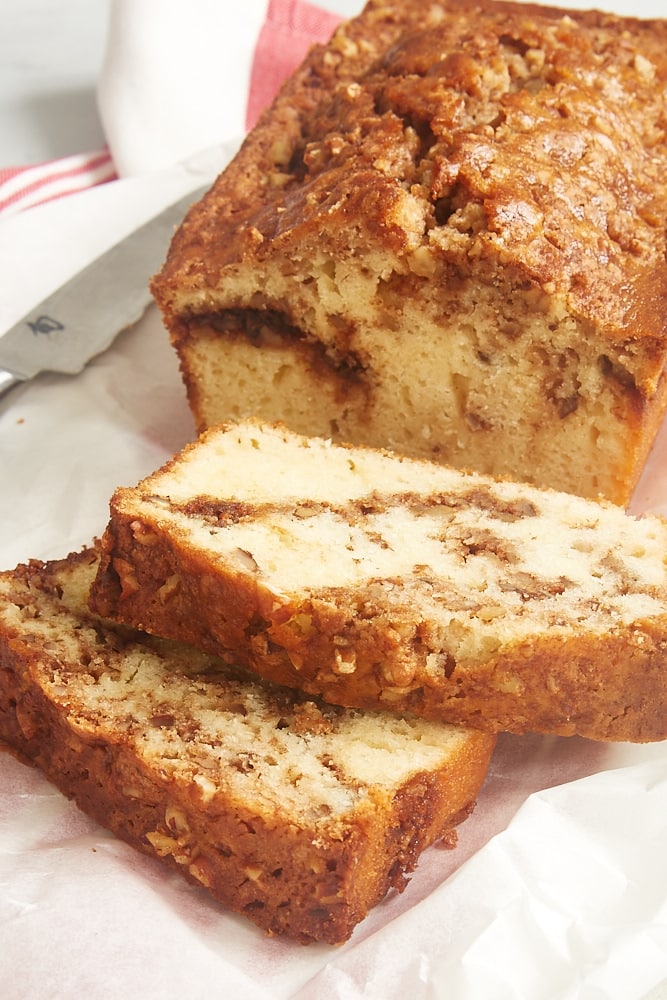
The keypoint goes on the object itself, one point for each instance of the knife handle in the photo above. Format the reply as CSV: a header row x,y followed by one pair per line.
x,y
7,380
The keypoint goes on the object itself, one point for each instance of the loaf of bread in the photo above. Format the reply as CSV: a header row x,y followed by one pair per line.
x,y
371,579
299,815
445,237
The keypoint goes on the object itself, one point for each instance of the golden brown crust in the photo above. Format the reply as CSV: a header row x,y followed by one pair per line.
x,y
307,870
582,122
438,162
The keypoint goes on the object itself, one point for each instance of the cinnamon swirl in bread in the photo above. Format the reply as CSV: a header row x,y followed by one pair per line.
x,y
375,580
299,815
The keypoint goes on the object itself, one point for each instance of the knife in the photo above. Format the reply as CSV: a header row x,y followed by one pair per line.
x,y
82,317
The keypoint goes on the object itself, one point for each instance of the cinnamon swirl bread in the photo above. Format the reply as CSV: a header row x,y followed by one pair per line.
x,y
445,237
296,814
375,580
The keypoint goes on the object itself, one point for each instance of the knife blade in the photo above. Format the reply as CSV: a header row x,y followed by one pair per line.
x,y
82,318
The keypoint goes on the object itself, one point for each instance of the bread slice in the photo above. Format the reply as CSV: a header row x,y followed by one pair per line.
x,y
375,580
446,237
299,815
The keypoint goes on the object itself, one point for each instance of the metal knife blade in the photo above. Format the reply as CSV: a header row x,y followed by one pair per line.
x,y
82,317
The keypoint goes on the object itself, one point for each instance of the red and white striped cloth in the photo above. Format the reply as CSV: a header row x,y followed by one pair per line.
x,y
24,187
289,29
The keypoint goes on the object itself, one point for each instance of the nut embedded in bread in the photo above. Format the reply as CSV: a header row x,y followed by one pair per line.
x,y
375,580
299,815
445,237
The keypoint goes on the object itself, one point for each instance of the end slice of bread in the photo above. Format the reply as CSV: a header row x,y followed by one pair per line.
x,y
374,580
299,815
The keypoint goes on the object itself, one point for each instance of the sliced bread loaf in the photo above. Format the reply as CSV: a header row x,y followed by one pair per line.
x,y
374,580
299,815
